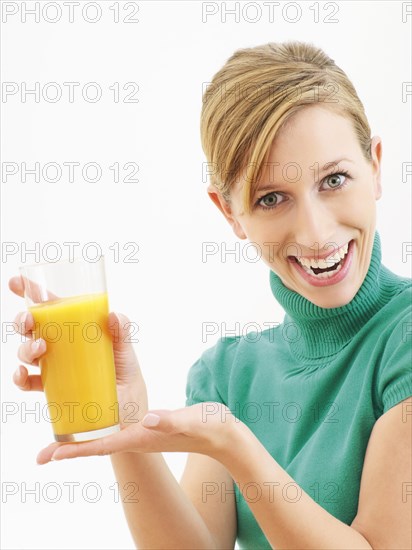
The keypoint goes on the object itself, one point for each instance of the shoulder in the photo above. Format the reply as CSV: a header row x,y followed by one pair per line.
x,y
223,351
391,323
208,377
252,341
394,381
222,362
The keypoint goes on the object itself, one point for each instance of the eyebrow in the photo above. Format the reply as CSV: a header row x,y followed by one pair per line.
x,y
326,167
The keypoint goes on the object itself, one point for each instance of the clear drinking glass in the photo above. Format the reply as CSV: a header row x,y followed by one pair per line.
x,y
69,304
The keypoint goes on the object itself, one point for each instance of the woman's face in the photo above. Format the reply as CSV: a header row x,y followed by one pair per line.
x,y
305,208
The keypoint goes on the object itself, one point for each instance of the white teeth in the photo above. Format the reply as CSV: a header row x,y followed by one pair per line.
x,y
305,262
326,262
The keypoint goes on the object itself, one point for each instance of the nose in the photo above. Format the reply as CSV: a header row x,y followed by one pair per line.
x,y
314,224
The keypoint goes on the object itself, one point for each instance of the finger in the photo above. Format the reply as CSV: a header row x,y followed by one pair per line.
x,y
37,293
27,382
16,285
30,351
167,421
45,454
128,439
119,326
25,323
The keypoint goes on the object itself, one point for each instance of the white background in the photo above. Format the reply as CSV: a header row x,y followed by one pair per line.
x,y
170,53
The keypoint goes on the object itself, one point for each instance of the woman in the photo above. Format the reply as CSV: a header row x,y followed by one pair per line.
x,y
312,419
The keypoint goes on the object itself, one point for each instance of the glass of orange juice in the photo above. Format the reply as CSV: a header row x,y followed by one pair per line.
x,y
69,304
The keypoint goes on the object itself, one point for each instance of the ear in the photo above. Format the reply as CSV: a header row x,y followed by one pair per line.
x,y
376,153
225,208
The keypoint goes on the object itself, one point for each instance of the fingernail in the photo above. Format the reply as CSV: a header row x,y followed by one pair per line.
x,y
150,420
36,345
18,372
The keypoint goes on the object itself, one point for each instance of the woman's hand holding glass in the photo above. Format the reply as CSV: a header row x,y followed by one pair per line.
x,y
204,428
131,387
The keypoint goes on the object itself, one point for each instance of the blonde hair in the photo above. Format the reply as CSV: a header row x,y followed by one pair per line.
x,y
252,96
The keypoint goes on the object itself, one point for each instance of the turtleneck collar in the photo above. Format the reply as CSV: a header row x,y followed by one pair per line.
x,y
321,332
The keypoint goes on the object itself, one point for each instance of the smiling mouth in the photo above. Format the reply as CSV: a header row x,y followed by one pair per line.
x,y
312,267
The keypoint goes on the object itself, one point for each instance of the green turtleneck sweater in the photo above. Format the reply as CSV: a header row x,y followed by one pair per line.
x,y
312,387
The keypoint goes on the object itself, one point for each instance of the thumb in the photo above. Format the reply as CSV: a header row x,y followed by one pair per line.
x,y
120,328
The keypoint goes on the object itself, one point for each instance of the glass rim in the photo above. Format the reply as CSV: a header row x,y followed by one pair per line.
x,y
61,262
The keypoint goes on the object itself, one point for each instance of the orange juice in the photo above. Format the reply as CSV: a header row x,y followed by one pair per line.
x,y
77,369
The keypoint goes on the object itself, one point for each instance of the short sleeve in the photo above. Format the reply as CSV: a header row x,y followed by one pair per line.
x,y
395,379
208,378
200,385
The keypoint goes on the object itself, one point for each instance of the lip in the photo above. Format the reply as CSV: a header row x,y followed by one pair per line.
x,y
341,274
